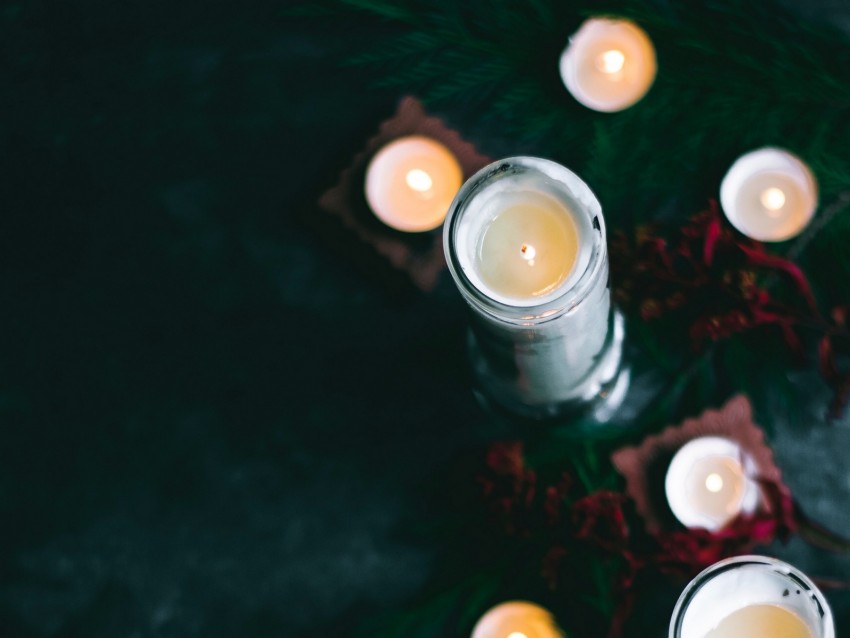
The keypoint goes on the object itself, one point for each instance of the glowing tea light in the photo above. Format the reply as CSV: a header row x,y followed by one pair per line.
x,y
609,64
517,619
410,183
769,195
708,483
752,597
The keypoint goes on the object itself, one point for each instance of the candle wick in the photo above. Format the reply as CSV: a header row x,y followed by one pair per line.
x,y
528,253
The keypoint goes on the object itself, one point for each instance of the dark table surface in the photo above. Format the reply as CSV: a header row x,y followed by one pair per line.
x,y
211,424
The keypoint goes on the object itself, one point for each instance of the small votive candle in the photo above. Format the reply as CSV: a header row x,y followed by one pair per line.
x,y
769,194
410,183
708,484
751,597
517,619
609,64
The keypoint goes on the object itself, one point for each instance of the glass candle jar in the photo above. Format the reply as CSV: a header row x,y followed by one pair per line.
x,y
526,246
752,596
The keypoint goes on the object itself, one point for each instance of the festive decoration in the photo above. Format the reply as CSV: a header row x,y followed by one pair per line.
x,y
411,182
714,312
709,483
769,195
645,466
526,245
608,65
517,619
703,283
346,220
752,596
707,279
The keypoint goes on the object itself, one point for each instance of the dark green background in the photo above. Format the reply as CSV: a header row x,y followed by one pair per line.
x,y
211,424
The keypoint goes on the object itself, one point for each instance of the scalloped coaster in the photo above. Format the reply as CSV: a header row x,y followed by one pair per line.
x,y
345,220
644,466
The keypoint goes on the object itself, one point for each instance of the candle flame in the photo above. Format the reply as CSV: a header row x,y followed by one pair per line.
x,y
714,483
528,253
419,180
773,199
611,61
517,634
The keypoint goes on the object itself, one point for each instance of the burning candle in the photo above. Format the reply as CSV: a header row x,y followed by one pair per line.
x,y
528,249
769,195
410,183
751,597
609,64
525,241
517,619
708,483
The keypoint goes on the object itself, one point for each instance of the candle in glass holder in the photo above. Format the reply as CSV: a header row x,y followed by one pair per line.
x,y
609,64
751,597
410,183
708,483
517,619
769,195
525,241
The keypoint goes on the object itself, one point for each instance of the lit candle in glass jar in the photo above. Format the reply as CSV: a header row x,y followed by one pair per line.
x,y
517,619
752,597
609,64
708,483
410,183
525,241
769,195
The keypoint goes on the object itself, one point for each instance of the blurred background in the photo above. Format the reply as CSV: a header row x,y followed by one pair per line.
x,y
211,424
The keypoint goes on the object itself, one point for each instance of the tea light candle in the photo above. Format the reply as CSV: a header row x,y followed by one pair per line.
x,y
517,619
708,483
752,597
410,183
609,64
769,195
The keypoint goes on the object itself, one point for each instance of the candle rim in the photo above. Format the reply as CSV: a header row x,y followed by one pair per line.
x,y
563,298
692,589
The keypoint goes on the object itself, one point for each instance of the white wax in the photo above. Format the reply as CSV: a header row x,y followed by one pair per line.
x,y
757,584
529,247
541,200
769,195
608,65
517,619
708,483
410,183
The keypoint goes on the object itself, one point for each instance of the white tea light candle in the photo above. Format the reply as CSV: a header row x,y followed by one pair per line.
x,y
609,64
517,619
708,483
525,242
769,195
410,183
751,597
